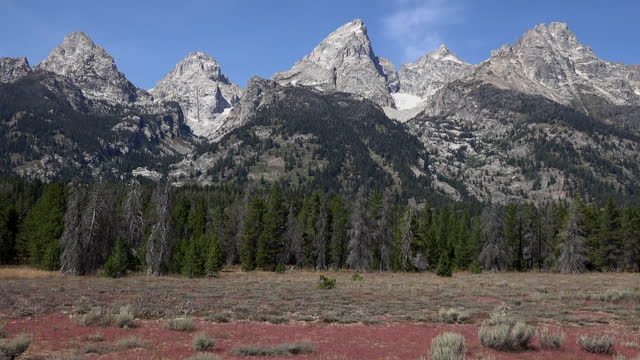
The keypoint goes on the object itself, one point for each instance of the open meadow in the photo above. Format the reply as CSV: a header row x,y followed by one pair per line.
x,y
371,316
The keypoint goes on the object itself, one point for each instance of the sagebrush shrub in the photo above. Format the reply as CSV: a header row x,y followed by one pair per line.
x,y
327,282
13,348
505,333
602,344
549,339
357,277
451,316
447,346
219,317
3,330
97,316
131,342
180,324
202,342
124,318
275,350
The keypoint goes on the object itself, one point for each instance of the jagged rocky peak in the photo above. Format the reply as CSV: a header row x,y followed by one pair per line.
x,y
12,69
343,61
92,69
432,72
550,61
204,93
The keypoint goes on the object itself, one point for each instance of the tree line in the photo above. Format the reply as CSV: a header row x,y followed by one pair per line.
x,y
195,231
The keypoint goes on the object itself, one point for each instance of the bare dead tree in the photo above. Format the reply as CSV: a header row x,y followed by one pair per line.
x,y
359,251
159,244
132,216
405,240
321,234
294,238
88,240
70,241
495,254
572,249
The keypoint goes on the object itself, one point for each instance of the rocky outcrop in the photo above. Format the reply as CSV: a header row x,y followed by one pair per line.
x,y
12,69
432,72
344,61
549,61
204,93
92,69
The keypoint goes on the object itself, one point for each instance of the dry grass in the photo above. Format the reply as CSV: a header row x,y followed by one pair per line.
x,y
23,272
565,300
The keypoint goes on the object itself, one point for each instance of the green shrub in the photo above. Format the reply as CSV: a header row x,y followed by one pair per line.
x,y
357,277
475,267
549,339
280,268
275,350
202,342
219,317
451,316
131,342
504,333
180,324
447,346
602,344
13,348
327,282
124,318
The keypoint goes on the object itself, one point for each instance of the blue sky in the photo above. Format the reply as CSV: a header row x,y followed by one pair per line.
x,y
260,37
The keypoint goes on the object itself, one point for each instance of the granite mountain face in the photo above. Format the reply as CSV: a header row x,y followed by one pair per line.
x,y
204,93
344,61
541,119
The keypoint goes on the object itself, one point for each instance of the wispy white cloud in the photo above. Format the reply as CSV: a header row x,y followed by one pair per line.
x,y
417,24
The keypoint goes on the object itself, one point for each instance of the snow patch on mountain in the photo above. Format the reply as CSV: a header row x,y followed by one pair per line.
x,y
406,101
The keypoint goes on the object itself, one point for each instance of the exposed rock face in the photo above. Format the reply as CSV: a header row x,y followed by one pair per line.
x,y
432,72
549,61
204,93
344,61
92,69
12,69
391,74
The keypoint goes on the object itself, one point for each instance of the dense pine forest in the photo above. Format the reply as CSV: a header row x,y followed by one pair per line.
x,y
113,229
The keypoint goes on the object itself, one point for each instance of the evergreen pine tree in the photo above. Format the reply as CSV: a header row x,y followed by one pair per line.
x,y
631,246
215,258
339,231
610,238
8,230
270,241
42,227
253,226
445,264
117,263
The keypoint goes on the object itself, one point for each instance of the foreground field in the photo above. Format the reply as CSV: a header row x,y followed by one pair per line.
x,y
382,316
